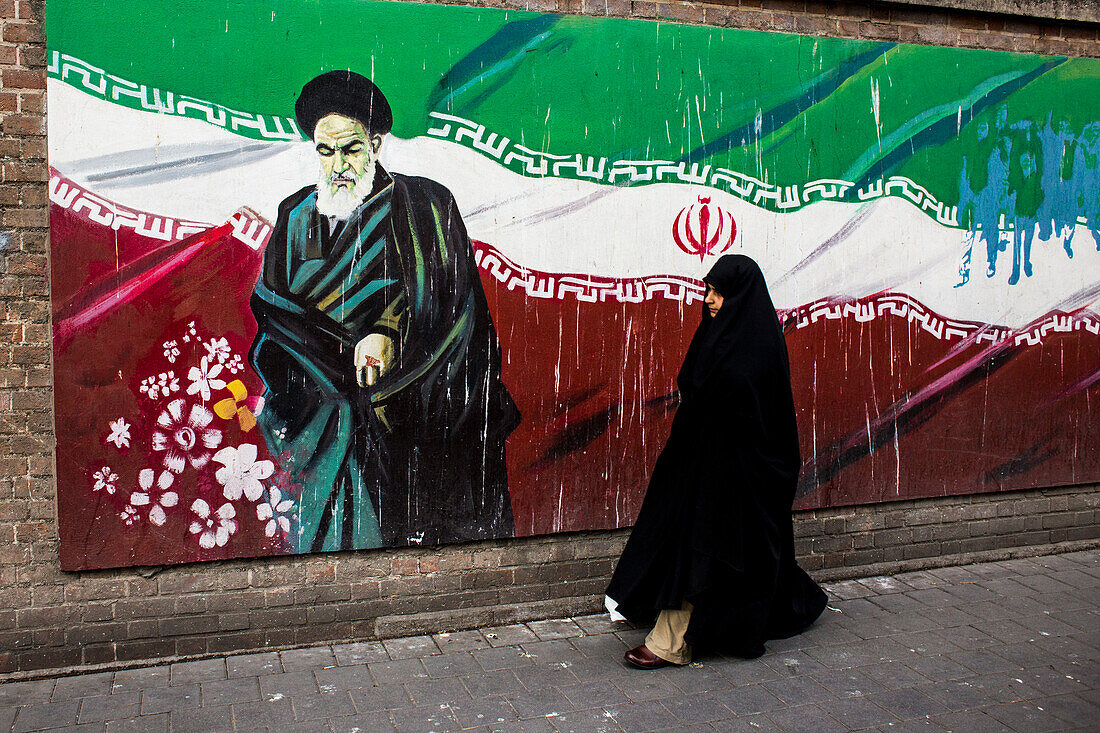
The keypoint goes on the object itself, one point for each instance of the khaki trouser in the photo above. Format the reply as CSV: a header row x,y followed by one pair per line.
x,y
667,638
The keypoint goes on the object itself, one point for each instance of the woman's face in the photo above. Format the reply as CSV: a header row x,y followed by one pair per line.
x,y
713,300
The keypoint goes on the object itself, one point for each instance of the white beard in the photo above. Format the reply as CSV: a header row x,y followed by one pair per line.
x,y
343,203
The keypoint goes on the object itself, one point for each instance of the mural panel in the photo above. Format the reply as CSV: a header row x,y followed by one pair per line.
x,y
445,297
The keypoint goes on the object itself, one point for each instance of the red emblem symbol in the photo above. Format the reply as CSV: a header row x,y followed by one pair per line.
x,y
700,229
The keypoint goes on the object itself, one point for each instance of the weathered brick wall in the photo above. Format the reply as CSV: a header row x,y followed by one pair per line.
x,y
50,619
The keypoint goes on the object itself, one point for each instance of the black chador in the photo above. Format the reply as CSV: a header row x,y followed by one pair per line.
x,y
715,525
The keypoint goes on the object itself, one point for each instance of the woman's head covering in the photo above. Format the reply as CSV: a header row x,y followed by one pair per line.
x,y
343,93
744,336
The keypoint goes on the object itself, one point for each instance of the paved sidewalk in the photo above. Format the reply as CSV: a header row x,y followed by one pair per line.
x,y
999,646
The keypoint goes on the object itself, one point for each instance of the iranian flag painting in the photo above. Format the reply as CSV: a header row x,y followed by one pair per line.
x,y
345,275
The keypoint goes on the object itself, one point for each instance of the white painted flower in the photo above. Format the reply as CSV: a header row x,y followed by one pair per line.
x,y
168,382
120,433
204,379
235,364
213,528
149,388
191,333
218,348
105,480
128,515
171,351
241,473
185,436
164,498
274,511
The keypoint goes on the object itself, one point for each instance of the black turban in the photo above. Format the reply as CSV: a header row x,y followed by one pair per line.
x,y
344,93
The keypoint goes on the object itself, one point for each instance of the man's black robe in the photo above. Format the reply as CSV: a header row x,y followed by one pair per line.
x,y
417,458
715,524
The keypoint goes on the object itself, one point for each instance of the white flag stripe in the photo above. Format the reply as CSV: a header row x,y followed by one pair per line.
x,y
190,170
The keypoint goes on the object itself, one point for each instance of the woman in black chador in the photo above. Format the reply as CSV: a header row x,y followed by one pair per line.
x,y
712,553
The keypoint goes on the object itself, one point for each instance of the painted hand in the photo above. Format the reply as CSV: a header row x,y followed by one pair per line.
x,y
373,356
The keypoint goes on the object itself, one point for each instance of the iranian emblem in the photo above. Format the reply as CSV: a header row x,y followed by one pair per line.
x,y
704,228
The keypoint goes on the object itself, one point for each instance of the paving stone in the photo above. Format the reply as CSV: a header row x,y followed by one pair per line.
x,y
429,692
893,676
746,672
1026,717
696,709
530,725
481,712
983,661
270,714
144,724
539,703
41,716
871,652
599,623
752,699
595,694
252,665
908,703
7,717
960,695
344,678
82,685
857,713
410,647
848,683
321,705
966,637
585,721
377,722
165,699
142,678
424,719
109,707
1051,682
455,664
760,723
402,670
704,678
926,642
599,668
380,697
803,718
1006,631
202,670
939,668
640,685
460,641
1072,709
599,645
201,720
799,690
509,635
493,683
1004,687
554,651
555,629
501,658
360,652
25,693
643,716
295,660
551,675
897,603
227,692
288,684
793,664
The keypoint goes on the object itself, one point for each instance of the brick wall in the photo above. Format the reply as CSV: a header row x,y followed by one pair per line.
x,y
51,620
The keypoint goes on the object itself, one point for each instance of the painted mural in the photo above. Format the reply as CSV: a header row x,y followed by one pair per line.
x,y
430,281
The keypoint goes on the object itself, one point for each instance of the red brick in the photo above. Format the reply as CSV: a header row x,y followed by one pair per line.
x,y
23,33
24,125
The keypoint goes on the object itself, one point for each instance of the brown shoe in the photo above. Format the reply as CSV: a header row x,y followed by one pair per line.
x,y
642,658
